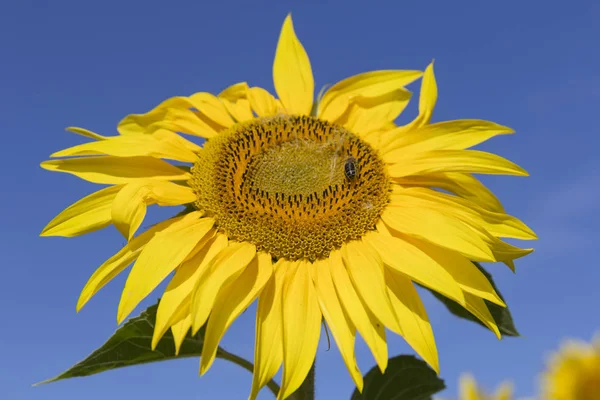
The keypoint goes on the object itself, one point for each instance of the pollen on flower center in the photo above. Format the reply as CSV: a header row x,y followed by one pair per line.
x,y
296,167
282,183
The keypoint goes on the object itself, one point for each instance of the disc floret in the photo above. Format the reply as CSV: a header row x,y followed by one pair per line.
x,y
282,184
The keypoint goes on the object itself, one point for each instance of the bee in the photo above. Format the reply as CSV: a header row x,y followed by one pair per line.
x,y
350,169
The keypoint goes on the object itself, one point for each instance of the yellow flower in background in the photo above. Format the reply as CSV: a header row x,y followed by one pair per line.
x,y
320,209
573,372
470,391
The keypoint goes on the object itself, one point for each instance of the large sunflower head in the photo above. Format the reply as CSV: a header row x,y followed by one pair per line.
x,y
321,209
573,372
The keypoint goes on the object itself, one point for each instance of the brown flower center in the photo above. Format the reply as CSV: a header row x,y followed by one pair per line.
x,y
296,187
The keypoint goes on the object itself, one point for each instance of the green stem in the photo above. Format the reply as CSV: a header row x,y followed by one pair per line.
x,y
247,365
306,391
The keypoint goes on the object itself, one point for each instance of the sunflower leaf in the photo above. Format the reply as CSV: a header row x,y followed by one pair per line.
x,y
130,345
501,315
406,378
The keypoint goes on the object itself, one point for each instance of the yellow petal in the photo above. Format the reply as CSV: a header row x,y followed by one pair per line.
x,y
163,253
235,100
440,229
510,264
337,98
497,224
240,110
463,271
118,262
463,185
506,226
185,121
479,309
210,105
491,224
117,170
409,260
367,114
292,74
470,161
411,313
268,350
447,135
427,99
180,314
226,266
180,330
129,205
365,268
173,114
233,298
342,329
130,146
177,140
372,331
262,102
85,132
507,252
301,328
374,138
428,96
86,215
504,392
179,289
468,388
235,92
137,124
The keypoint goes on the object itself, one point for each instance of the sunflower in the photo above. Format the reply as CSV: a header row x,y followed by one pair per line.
x,y
319,209
470,391
573,372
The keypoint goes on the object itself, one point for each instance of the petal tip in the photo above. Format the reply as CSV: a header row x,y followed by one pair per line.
x,y
155,339
81,301
45,232
204,366
288,18
195,327
500,302
434,364
121,314
523,172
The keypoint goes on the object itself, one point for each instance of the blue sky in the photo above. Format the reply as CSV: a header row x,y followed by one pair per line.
x,y
88,64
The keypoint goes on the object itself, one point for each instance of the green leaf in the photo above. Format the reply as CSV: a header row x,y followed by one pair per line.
x,y
130,345
501,315
406,378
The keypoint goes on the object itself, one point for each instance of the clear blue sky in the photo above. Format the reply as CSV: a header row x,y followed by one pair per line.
x,y
534,68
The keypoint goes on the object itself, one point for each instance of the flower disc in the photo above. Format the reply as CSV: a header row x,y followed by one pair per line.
x,y
283,184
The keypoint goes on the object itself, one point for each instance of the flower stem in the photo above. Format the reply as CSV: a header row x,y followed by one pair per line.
x,y
306,391
247,365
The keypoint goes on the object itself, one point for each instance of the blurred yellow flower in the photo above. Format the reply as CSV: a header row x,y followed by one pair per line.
x,y
573,373
469,390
